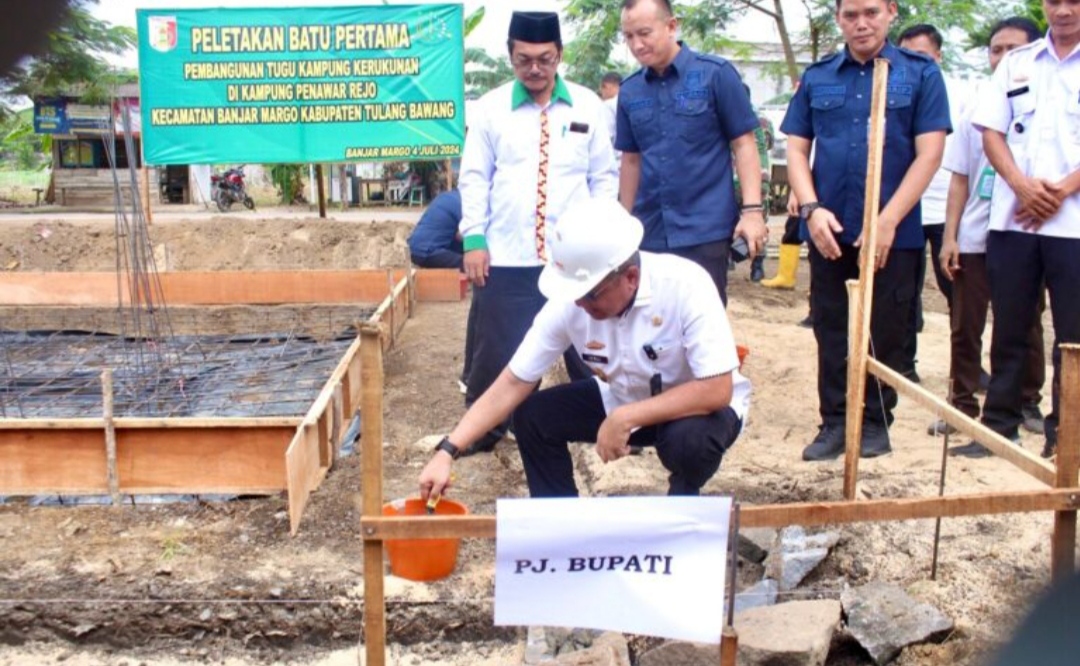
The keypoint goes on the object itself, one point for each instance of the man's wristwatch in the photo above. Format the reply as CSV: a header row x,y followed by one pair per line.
x,y
445,445
807,209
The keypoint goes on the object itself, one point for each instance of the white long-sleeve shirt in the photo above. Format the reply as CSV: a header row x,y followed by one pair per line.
x,y
500,166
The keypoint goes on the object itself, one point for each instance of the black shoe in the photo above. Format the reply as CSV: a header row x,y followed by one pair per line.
x,y
1033,419
970,450
984,381
1049,447
828,445
974,449
875,440
913,376
757,270
808,322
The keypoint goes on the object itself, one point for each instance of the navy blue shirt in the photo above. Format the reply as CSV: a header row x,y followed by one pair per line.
x,y
682,123
433,243
832,108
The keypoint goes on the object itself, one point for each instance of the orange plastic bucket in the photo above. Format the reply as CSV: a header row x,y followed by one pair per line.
x,y
422,559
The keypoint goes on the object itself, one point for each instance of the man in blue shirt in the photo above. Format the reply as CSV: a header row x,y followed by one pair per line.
x,y
680,119
830,113
435,243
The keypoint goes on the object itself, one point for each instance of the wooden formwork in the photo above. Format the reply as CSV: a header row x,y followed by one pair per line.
x,y
241,456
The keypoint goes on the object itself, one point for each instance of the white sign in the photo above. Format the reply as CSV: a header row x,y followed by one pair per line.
x,y
654,566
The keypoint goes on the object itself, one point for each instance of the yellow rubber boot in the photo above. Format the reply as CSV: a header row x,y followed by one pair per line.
x,y
789,263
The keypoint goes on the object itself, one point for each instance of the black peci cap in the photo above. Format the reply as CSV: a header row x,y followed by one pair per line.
x,y
535,27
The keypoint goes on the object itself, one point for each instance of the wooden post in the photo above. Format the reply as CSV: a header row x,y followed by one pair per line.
x,y
371,438
322,191
729,646
110,436
449,174
1063,549
146,195
861,307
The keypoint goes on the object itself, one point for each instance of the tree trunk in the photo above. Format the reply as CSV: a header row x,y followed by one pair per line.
x,y
785,39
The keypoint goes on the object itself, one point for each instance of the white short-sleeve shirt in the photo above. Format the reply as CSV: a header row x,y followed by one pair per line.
x,y
500,168
1034,100
677,311
965,156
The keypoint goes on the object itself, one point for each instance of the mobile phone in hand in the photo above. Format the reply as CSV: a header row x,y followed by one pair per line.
x,y
740,251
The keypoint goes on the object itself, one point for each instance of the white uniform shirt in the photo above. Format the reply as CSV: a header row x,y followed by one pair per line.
x,y
937,193
1034,100
501,160
677,310
965,156
611,107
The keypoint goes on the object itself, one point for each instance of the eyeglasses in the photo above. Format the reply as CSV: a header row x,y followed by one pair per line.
x,y
596,292
543,62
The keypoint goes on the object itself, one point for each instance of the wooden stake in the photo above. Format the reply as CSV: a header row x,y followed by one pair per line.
x,y
322,191
112,476
449,174
146,195
1063,548
729,646
371,438
861,307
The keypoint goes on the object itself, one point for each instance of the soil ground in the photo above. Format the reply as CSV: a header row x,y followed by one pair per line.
x,y
223,583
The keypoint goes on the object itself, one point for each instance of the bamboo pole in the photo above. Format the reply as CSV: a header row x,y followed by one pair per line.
x,y
861,307
449,174
110,436
146,195
371,438
321,189
1063,548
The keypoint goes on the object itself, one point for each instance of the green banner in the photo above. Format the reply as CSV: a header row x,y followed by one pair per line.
x,y
291,84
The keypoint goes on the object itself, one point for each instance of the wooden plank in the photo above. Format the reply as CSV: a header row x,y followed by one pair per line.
x,y
1021,458
200,287
141,423
439,285
149,461
862,304
1063,545
111,476
371,441
301,458
379,528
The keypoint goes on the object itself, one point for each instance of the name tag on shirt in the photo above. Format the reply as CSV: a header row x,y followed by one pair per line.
x,y
594,358
986,183
1017,92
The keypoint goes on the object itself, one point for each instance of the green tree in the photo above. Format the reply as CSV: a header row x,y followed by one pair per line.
x,y
1032,9
73,57
597,29
484,72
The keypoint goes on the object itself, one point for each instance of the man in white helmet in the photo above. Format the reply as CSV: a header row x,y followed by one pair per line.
x,y
655,333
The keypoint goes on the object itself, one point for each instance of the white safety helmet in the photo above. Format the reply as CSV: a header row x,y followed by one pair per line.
x,y
591,239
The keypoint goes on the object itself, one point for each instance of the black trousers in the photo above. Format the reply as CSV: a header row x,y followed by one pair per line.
x,y
690,448
504,310
1018,263
713,257
894,289
791,231
971,302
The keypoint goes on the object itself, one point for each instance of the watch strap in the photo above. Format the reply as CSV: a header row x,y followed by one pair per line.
x,y
446,445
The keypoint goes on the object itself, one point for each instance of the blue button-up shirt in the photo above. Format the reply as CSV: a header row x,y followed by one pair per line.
x,y
832,108
682,123
433,243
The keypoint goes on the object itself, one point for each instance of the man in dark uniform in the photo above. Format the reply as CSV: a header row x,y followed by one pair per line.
x,y
830,112
680,119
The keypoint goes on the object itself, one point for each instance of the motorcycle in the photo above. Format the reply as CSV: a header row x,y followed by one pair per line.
x,y
228,188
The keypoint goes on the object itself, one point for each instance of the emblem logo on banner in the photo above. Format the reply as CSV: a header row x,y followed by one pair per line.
x,y
162,33
646,565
